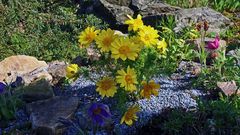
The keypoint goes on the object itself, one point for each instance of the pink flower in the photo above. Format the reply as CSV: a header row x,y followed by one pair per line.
x,y
213,45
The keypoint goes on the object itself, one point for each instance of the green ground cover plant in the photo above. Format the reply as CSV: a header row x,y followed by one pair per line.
x,y
44,29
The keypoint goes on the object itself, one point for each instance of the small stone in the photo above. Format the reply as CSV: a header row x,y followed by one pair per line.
x,y
45,114
236,54
228,88
58,70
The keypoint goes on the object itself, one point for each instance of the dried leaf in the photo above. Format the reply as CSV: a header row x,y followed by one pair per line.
x,y
228,88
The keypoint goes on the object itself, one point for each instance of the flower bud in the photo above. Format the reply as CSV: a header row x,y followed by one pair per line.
x,y
214,55
205,25
199,26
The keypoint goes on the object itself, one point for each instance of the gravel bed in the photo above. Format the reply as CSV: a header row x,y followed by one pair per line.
x,y
174,93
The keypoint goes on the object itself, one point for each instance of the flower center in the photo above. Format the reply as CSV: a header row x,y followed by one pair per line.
x,y
129,116
89,37
128,79
146,37
107,41
97,111
124,50
72,72
147,88
106,85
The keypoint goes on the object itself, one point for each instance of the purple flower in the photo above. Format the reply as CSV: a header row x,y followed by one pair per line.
x,y
99,113
213,45
17,83
2,87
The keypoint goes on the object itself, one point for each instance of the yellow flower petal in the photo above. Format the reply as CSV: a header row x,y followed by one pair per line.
x,y
127,79
134,24
130,115
149,36
124,49
106,87
149,89
87,36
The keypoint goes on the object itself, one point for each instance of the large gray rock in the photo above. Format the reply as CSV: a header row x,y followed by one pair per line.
x,y
142,4
186,17
115,11
120,2
152,7
37,90
156,11
45,114
112,13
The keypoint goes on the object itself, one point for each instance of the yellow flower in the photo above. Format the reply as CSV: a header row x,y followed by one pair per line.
x,y
162,46
149,89
127,79
71,71
123,48
137,41
87,36
134,24
105,39
149,36
106,87
130,115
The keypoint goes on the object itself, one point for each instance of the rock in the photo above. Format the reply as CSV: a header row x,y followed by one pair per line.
x,y
159,9
27,67
45,114
191,67
149,8
37,74
37,90
236,54
228,88
57,70
117,32
120,2
217,21
156,11
142,4
80,61
93,54
115,11
112,13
